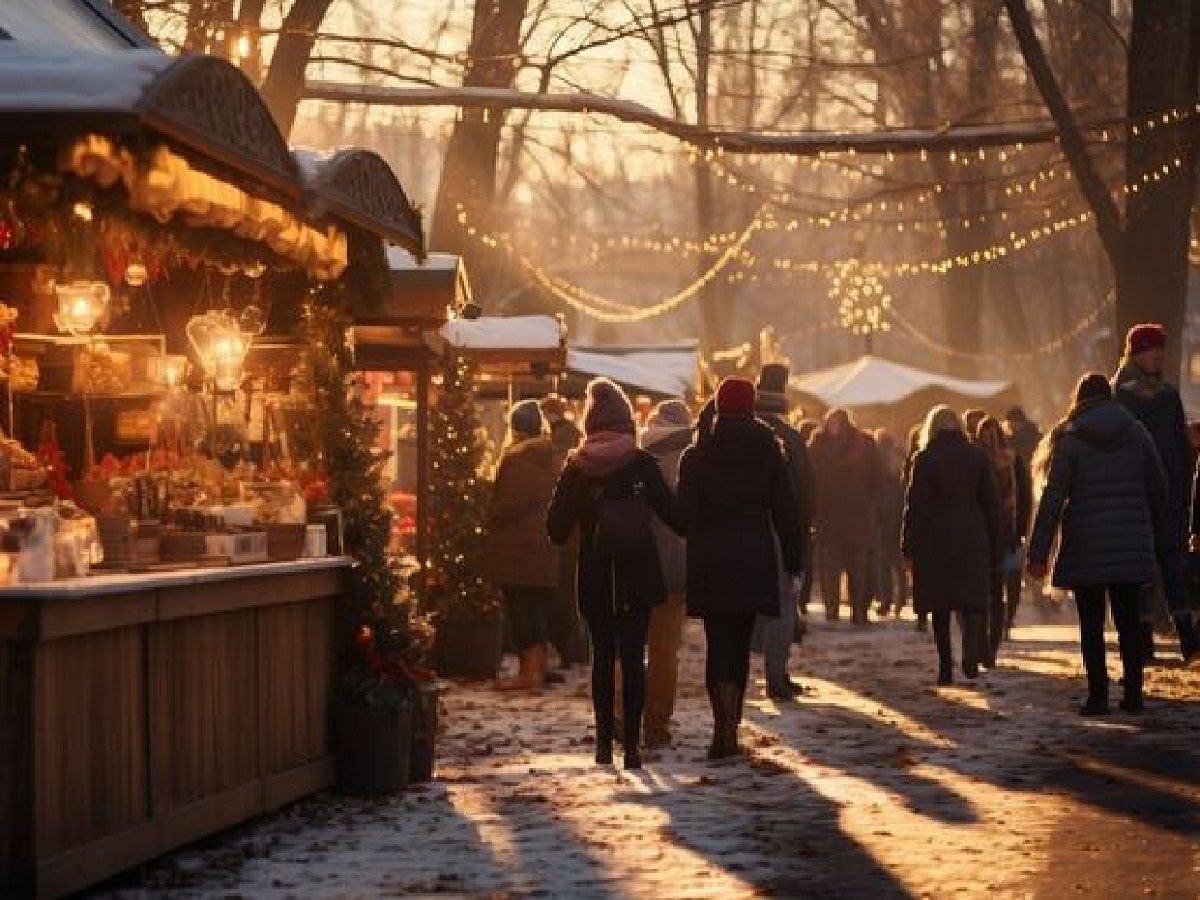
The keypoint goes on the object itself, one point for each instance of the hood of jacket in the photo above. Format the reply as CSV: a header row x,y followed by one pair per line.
x,y
660,441
1134,379
531,453
1103,426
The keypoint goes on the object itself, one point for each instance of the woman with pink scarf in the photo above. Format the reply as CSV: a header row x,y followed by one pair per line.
x,y
609,490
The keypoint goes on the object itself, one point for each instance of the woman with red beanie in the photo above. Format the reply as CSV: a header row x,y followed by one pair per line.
x,y
741,515
608,490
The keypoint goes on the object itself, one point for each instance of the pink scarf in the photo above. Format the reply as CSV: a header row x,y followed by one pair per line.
x,y
605,452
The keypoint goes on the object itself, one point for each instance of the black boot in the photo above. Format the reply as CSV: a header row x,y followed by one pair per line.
x,y
945,672
633,743
604,742
1132,701
716,699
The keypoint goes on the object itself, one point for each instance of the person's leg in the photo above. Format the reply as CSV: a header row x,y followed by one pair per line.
x,y
662,667
945,650
602,628
777,641
973,624
740,629
519,614
632,625
858,578
1089,600
1013,585
1124,600
830,573
806,589
1170,563
994,630
888,600
716,668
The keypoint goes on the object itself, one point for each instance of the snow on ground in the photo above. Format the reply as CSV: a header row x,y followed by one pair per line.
x,y
875,784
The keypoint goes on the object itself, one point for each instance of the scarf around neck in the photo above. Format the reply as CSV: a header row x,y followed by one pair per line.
x,y
605,452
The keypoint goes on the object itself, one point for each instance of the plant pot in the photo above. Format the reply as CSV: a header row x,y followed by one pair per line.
x,y
469,649
424,734
374,747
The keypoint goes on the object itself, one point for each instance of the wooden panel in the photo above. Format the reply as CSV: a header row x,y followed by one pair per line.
x,y
66,618
204,707
16,765
90,738
288,786
295,652
93,862
212,814
243,593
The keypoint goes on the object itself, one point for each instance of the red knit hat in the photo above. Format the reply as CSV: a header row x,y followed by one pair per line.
x,y
735,397
1142,338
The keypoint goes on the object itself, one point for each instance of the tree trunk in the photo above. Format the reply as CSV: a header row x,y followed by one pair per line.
x,y
714,312
283,87
1152,282
468,181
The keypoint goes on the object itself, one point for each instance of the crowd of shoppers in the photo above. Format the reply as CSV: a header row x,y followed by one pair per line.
x,y
730,518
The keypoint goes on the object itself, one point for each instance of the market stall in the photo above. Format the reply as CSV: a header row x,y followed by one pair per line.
x,y
659,371
169,564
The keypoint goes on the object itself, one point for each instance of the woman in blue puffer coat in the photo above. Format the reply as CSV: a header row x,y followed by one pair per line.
x,y
1106,487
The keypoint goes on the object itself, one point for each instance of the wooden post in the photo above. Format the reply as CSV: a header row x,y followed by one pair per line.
x,y
422,457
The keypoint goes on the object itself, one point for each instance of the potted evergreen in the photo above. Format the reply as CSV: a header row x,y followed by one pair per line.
x,y
381,635
464,607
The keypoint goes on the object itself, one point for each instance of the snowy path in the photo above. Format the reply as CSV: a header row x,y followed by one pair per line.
x,y
874,785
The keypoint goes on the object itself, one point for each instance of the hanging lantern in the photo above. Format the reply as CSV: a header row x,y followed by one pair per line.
x,y
170,369
81,306
136,274
222,342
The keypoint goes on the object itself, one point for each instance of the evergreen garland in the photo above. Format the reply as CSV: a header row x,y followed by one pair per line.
x,y
455,589
377,619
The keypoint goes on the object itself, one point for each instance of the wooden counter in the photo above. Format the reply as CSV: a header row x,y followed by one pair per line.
x,y
142,712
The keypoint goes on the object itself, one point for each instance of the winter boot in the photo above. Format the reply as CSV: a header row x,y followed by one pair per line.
x,y
731,706
521,681
632,747
604,742
945,672
716,699
1132,701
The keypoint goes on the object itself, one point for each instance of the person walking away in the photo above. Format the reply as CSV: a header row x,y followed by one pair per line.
x,y
668,433
1023,435
910,458
741,519
607,495
563,625
517,557
806,429
893,582
846,470
1014,487
951,536
1140,387
777,632
971,420
1106,488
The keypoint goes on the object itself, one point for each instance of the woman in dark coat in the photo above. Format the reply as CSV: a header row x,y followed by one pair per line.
x,y
738,508
1014,488
517,557
607,491
952,536
1107,488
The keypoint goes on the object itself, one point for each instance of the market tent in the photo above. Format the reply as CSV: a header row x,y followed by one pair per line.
x,y
662,371
876,385
500,335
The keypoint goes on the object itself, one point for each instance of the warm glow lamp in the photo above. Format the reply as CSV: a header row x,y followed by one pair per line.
x,y
81,306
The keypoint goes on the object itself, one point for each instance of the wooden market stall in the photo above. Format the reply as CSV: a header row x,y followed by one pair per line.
x,y
164,699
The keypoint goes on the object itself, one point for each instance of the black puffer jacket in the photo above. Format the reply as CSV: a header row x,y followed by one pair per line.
x,y
1107,487
604,585
736,496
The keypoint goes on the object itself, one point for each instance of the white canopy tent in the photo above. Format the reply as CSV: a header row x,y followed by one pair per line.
x,y
669,371
504,334
887,392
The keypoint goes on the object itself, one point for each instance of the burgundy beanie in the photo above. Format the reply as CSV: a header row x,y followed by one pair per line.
x,y
735,397
1145,337
607,408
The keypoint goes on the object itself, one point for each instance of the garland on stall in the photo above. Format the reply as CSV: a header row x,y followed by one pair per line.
x,y
455,589
382,638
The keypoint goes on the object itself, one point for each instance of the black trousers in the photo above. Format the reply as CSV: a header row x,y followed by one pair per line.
x,y
1089,600
971,624
728,640
619,634
525,612
1002,609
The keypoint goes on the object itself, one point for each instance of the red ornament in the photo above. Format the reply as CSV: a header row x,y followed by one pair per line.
x,y
365,638
7,233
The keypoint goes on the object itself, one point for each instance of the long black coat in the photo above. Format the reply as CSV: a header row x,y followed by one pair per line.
x,y
952,528
736,497
602,585
1107,487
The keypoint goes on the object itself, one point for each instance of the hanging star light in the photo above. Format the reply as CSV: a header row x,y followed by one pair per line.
x,y
863,303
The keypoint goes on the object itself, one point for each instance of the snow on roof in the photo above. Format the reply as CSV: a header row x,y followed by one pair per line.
x,y
512,333
871,381
399,259
663,372
35,77
61,23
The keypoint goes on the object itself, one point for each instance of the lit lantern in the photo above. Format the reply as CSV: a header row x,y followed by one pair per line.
x,y
171,369
81,306
222,342
136,274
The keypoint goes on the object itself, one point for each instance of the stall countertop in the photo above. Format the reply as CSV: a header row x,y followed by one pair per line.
x,y
118,583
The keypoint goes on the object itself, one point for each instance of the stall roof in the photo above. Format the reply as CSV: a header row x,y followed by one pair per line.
x,y
872,381
360,187
668,371
87,24
513,333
